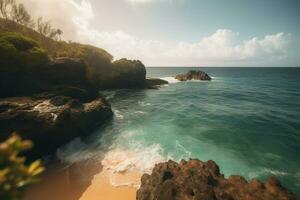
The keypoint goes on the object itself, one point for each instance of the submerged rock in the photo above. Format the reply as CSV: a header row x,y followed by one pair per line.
x,y
193,75
51,121
197,180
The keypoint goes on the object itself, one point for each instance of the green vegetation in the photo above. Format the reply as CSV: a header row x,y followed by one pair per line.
x,y
24,52
15,175
26,44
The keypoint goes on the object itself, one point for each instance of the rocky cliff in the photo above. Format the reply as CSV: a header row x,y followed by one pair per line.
x,y
53,100
197,180
51,120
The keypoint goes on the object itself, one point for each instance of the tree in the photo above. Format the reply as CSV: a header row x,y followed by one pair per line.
x,y
5,7
20,15
44,28
12,11
15,175
59,33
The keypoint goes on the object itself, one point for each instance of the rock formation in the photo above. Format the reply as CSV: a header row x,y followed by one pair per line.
x,y
197,180
51,120
193,75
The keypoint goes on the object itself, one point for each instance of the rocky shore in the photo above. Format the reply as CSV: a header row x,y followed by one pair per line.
x,y
51,121
197,180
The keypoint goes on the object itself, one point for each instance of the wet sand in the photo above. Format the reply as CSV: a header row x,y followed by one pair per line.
x,y
101,188
79,182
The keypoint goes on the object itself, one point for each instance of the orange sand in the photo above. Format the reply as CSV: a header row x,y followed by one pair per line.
x,y
101,188
56,185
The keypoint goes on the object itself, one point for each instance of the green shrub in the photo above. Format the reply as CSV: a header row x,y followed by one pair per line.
x,y
15,175
7,50
21,52
20,42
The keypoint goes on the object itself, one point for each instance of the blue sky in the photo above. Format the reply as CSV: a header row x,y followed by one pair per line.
x,y
191,19
183,32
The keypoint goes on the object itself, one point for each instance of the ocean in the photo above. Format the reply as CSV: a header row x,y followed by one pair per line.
x,y
246,119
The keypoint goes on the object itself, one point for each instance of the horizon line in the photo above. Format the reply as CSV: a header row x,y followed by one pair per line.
x,y
226,66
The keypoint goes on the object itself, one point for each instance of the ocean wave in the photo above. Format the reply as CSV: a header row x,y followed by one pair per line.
x,y
200,81
139,112
170,79
118,114
142,103
74,151
267,171
187,153
109,94
124,165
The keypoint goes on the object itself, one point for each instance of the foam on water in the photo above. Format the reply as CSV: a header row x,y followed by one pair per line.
x,y
170,79
124,162
118,114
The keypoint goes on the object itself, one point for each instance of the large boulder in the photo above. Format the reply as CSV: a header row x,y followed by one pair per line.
x,y
197,180
51,121
193,75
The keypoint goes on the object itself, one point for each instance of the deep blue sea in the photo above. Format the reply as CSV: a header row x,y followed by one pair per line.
x,y
245,119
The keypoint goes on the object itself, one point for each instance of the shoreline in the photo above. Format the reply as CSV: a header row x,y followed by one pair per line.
x,y
101,186
86,180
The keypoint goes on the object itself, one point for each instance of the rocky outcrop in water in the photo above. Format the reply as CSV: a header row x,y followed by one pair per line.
x,y
197,180
193,75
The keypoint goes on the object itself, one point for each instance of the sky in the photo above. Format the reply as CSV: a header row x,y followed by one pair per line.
x,y
182,32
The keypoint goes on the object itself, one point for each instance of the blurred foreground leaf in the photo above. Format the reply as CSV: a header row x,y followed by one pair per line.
x,y
15,175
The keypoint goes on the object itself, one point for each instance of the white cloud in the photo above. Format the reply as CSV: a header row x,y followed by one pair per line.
x,y
152,1
219,48
68,15
139,1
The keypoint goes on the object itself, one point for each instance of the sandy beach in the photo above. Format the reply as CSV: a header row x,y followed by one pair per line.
x,y
60,183
101,188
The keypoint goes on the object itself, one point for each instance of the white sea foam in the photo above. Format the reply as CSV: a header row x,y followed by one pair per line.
x,y
142,103
139,112
119,162
74,151
200,81
187,153
267,171
118,114
170,79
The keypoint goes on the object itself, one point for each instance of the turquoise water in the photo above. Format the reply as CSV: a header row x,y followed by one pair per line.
x,y
245,119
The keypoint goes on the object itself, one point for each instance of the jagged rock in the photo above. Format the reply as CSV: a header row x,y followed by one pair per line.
x,y
193,75
197,180
51,122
